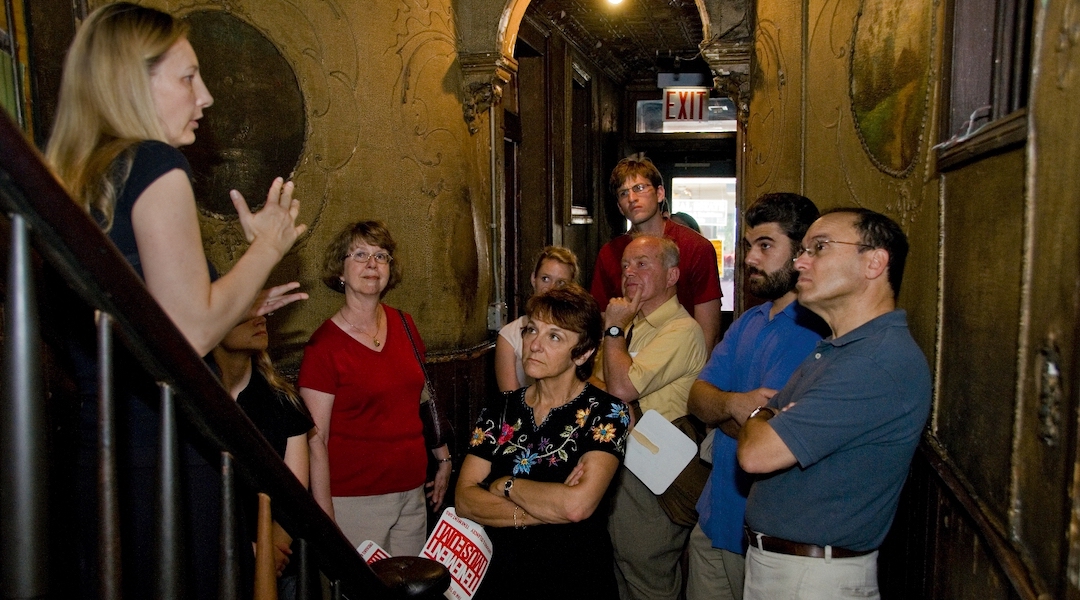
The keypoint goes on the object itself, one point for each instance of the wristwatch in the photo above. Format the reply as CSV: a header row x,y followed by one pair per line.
x,y
613,331
509,485
769,411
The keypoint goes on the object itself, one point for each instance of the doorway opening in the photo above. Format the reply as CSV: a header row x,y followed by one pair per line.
x,y
710,202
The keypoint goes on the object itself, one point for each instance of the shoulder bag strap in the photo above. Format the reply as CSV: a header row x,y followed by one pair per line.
x,y
436,427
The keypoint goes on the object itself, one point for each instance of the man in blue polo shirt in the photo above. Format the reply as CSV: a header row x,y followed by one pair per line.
x,y
757,355
837,440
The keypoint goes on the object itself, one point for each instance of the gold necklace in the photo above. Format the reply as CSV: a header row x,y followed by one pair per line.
x,y
378,323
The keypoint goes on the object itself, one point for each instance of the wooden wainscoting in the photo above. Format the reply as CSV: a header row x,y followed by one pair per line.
x,y
942,544
463,380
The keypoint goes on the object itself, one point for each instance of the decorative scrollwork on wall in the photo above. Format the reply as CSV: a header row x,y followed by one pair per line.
x,y
318,47
429,82
768,118
424,46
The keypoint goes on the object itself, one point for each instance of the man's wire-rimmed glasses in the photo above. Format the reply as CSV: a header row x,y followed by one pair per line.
x,y
637,189
818,245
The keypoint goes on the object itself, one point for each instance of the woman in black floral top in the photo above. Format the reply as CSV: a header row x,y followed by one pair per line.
x,y
541,459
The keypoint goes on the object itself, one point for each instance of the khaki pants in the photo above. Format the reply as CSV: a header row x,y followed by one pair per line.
x,y
397,522
770,575
647,544
714,573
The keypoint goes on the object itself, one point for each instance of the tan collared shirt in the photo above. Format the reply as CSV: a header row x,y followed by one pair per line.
x,y
668,349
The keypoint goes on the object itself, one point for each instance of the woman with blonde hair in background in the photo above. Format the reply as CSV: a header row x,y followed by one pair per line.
x,y
555,267
130,96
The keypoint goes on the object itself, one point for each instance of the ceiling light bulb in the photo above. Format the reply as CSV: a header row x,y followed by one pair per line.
x,y
614,1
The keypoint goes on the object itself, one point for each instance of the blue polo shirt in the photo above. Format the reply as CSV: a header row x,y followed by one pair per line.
x,y
858,407
755,352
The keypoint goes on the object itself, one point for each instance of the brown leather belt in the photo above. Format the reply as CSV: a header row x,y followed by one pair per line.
x,y
781,546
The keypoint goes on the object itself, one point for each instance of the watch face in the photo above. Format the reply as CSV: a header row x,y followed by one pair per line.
x,y
613,331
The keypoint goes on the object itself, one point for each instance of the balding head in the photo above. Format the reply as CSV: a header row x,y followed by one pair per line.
x,y
650,266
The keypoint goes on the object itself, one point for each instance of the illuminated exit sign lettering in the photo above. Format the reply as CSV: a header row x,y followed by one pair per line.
x,y
686,104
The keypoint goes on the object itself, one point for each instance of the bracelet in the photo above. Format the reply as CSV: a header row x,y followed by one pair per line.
x,y
516,526
443,460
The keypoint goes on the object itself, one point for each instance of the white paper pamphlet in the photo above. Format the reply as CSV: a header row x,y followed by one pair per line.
x,y
656,451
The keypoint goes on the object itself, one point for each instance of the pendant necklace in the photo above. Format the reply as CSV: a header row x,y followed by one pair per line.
x,y
378,322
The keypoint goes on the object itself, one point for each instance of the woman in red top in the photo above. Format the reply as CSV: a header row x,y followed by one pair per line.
x,y
362,383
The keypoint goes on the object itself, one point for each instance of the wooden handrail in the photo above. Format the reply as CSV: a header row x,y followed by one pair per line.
x,y
78,250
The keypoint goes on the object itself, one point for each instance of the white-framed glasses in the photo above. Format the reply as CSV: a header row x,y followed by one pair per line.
x,y
818,245
362,256
637,189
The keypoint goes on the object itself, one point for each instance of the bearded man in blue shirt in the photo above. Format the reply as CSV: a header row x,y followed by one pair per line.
x,y
755,359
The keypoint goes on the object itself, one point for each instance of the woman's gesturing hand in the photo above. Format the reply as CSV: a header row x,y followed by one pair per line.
x,y
274,298
275,224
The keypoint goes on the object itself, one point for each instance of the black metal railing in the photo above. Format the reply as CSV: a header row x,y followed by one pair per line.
x,y
42,214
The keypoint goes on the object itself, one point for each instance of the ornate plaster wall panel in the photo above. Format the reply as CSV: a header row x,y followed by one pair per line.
x,y
434,150
804,134
772,158
869,130
320,46
869,125
243,145
383,138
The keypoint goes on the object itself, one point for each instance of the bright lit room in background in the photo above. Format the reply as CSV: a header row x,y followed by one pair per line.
x,y
711,201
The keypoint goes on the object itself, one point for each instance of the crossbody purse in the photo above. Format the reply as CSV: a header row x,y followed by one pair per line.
x,y
437,430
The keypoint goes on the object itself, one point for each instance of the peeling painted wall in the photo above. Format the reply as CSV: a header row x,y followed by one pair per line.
x,y
385,140
810,131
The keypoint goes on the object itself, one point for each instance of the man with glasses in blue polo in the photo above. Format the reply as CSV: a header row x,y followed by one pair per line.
x,y
832,449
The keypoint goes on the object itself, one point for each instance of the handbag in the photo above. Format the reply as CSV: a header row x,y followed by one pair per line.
x,y
437,429
679,501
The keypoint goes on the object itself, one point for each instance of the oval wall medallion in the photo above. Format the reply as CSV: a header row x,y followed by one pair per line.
x,y
254,131
890,66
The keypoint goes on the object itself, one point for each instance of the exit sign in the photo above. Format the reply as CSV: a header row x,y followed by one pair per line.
x,y
686,104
